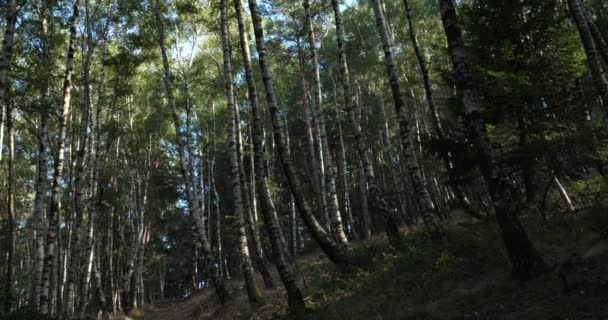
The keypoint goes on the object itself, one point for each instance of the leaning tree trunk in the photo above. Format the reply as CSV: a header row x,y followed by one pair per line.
x,y
525,260
253,232
369,187
53,213
600,76
425,203
312,150
348,213
193,204
255,297
271,221
328,161
598,38
333,250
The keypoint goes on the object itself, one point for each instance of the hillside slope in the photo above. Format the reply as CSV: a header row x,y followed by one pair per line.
x,y
467,277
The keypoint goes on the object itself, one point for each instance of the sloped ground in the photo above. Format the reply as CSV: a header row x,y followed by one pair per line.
x,y
466,277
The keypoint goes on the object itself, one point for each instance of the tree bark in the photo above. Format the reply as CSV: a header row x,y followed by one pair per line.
x,y
334,251
42,165
436,120
331,172
370,191
525,260
271,222
5,60
425,203
75,262
599,76
311,141
253,232
10,221
53,215
598,38
348,212
255,297
39,210
193,204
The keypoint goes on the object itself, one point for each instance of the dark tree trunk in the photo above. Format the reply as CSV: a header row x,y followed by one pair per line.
x,y
599,75
525,260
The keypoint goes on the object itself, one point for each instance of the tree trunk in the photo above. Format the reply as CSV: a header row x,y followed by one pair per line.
x,y
311,141
253,232
8,285
598,38
271,222
331,172
436,120
425,203
54,210
5,60
75,262
39,210
255,297
348,213
599,76
193,204
369,188
7,52
564,194
334,251
526,262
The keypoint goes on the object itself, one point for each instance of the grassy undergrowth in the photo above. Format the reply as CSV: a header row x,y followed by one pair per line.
x,y
465,277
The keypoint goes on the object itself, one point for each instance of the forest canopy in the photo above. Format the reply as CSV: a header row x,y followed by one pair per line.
x,y
261,149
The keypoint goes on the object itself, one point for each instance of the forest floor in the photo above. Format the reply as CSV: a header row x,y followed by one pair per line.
x,y
466,277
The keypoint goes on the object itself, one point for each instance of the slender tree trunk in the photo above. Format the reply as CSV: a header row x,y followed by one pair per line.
x,y
598,38
193,204
8,284
312,144
333,206
344,169
2,120
425,203
334,251
435,119
255,297
599,76
75,262
271,222
54,210
525,260
370,191
98,285
253,232
42,165
39,210
7,52
5,60
564,194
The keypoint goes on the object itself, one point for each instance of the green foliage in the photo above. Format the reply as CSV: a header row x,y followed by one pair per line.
x,y
591,193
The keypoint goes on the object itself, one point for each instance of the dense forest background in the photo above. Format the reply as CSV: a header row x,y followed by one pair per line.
x,y
152,149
